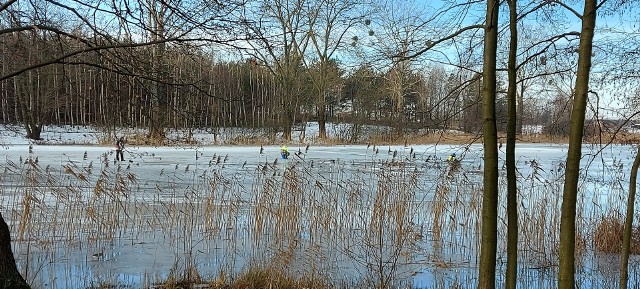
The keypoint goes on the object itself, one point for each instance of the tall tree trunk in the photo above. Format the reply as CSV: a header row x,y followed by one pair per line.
x,y
512,189
288,123
628,224
566,274
159,100
322,120
159,97
26,111
520,109
487,266
10,278
322,101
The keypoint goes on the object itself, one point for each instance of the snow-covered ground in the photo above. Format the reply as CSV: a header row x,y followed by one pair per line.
x,y
307,133
86,135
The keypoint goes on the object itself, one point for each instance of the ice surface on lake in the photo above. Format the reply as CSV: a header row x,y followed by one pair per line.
x,y
168,180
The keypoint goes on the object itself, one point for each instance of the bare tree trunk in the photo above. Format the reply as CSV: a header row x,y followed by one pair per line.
x,y
520,109
26,110
159,98
321,99
512,189
487,266
566,274
10,278
158,88
628,224
287,123
322,120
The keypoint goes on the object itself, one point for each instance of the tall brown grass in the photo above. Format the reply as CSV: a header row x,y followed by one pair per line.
x,y
608,235
383,222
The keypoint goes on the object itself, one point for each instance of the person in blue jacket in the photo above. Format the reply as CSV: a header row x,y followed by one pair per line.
x,y
284,152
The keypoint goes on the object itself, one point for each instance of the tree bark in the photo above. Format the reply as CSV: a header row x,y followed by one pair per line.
x,y
322,120
512,189
487,266
628,224
566,274
287,128
321,99
520,109
157,13
10,277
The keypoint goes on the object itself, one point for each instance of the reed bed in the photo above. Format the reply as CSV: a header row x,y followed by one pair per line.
x,y
386,222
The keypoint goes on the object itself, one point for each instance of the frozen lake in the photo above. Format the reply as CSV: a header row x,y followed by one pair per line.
x,y
224,207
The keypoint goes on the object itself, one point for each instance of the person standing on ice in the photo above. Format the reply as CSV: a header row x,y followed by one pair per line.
x,y
119,149
452,157
284,152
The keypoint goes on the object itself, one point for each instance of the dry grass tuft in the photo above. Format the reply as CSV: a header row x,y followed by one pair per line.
x,y
145,139
268,278
189,279
608,236
430,138
617,138
256,277
247,140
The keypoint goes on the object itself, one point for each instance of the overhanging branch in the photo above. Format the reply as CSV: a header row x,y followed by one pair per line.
x,y
434,43
90,49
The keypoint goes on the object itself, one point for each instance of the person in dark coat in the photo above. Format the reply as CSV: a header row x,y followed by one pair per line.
x,y
119,149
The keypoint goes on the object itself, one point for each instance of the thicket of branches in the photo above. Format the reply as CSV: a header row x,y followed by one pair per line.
x,y
187,64
114,90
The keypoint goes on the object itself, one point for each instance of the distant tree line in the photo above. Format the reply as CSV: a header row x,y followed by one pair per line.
x,y
203,93
166,81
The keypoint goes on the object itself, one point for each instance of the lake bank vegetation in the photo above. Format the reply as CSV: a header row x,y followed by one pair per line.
x,y
382,222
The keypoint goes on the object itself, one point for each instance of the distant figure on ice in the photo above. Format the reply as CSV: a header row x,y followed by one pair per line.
x,y
119,149
284,152
454,165
452,157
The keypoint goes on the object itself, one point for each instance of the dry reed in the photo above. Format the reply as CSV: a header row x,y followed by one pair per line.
x,y
383,221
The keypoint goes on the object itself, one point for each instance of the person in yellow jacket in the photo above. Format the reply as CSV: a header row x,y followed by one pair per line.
x,y
452,157
284,152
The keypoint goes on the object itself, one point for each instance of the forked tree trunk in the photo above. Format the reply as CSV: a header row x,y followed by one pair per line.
x,y
566,274
10,278
487,266
628,224
34,131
